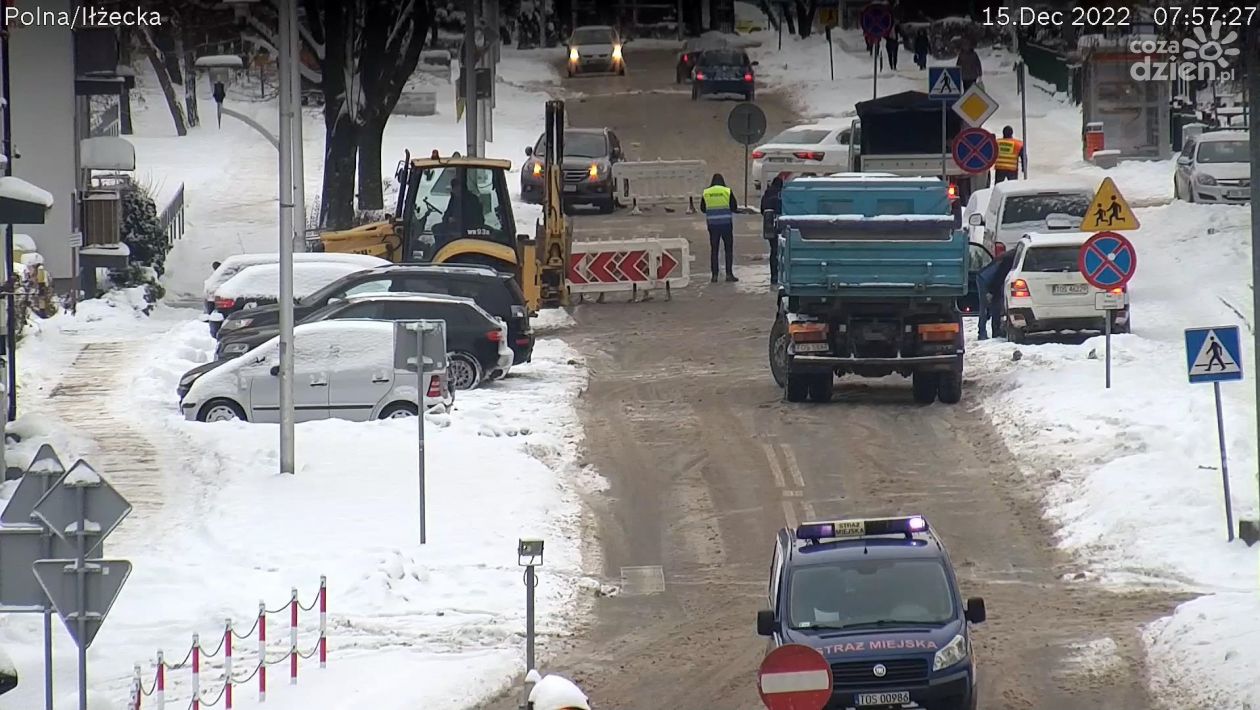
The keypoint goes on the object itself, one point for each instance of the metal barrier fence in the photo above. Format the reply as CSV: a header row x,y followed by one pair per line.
x,y
654,182
172,217
265,656
634,265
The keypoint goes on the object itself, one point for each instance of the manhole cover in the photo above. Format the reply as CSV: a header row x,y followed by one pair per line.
x,y
649,579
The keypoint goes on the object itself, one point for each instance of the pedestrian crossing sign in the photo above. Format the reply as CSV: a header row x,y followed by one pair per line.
x,y
1214,354
944,83
1108,211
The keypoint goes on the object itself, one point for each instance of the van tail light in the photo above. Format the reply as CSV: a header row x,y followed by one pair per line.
x,y
1019,289
808,332
435,388
999,249
495,336
224,304
748,76
758,154
938,331
953,191
809,155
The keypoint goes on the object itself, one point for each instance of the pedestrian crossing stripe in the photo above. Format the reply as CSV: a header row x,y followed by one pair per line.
x,y
945,86
1213,354
1108,211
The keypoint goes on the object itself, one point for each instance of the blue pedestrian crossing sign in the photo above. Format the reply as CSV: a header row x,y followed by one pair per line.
x,y
1213,354
945,83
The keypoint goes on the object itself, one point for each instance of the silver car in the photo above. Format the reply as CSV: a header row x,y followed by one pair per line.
x,y
342,369
1214,167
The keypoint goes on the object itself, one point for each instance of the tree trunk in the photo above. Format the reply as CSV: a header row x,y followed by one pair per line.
x,y
184,53
124,99
805,16
336,204
371,190
164,79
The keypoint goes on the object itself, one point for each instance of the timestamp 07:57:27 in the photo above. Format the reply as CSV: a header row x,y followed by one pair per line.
x,y
1169,17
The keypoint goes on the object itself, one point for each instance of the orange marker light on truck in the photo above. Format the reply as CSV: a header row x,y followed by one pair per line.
x,y
938,331
808,332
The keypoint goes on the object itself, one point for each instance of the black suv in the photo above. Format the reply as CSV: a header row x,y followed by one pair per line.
x,y
497,293
589,155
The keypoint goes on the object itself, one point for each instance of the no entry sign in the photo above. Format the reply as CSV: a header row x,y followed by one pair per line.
x,y
794,677
1107,260
975,150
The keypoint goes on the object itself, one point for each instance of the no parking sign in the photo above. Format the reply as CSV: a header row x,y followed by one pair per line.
x,y
975,150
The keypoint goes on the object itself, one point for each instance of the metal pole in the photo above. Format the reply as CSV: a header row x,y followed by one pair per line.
x,y
746,176
80,568
531,581
286,238
48,627
875,70
421,389
1220,436
10,337
680,25
469,63
1107,333
1023,113
944,146
299,166
1253,91
831,55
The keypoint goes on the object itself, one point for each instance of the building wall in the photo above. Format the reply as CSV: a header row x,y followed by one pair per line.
x,y
43,124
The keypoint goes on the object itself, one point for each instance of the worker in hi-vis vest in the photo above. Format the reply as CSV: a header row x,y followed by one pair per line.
x,y
718,205
1010,155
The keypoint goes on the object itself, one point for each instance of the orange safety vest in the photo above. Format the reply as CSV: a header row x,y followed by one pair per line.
x,y
1008,154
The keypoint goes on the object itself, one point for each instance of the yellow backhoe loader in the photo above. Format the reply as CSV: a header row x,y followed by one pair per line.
x,y
457,210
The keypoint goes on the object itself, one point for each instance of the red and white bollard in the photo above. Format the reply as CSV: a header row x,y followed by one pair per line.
x,y
159,691
293,628
227,666
137,688
323,621
262,652
196,672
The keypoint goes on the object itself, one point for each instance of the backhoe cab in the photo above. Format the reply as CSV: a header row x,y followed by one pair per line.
x,y
452,210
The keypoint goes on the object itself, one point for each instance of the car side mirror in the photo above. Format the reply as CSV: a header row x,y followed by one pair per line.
x,y
1183,160
333,300
275,370
975,612
765,622
529,151
976,219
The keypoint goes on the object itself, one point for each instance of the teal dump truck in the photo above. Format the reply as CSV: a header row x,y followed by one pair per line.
x,y
872,272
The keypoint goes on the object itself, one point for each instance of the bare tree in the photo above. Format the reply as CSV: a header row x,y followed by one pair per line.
x,y
160,68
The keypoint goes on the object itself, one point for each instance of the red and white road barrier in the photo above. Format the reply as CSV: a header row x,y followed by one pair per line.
x,y
227,673
629,265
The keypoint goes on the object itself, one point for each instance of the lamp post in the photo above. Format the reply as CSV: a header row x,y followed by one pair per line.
x,y
529,554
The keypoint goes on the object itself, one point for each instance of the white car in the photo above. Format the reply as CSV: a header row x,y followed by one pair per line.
x,y
233,265
1214,167
595,48
976,204
1017,207
341,369
1046,291
821,148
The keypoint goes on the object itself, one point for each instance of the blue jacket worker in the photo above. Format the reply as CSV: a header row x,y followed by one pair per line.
x,y
718,205
990,285
772,200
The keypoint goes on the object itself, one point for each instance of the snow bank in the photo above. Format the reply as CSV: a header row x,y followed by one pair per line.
x,y
1209,647
19,190
263,280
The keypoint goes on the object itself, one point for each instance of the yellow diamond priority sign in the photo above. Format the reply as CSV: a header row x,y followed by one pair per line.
x,y
1108,211
975,106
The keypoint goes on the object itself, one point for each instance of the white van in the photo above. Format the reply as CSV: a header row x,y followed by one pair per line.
x,y
1017,207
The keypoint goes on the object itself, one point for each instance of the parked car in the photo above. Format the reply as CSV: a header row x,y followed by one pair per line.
x,y
1017,207
597,48
1214,167
691,51
724,71
1046,291
821,148
476,340
976,204
342,369
259,285
589,156
498,293
233,265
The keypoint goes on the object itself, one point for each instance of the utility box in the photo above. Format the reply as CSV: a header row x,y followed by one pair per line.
x,y
102,218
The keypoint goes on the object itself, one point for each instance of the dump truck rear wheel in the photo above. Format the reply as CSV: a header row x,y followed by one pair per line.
x,y
797,389
778,351
924,385
949,388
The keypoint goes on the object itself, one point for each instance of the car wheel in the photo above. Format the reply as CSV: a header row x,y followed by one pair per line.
x,y
399,410
797,388
949,387
822,388
695,92
221,410
924,385
621,70
778,351
607,206
1015,335
1190,194
464,371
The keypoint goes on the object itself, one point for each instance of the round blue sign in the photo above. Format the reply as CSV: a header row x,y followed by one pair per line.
x,y
876,20
1107,260
975,150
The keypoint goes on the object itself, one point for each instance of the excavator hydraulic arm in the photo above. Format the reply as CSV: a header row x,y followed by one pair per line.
x,y
556,241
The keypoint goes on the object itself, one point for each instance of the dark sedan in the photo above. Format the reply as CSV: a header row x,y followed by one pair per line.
x,y
724,71
691,52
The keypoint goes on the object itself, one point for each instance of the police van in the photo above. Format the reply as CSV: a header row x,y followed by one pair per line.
x,y
879,599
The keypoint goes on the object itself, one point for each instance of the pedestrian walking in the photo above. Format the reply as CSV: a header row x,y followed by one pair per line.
x,y
1010,157
969,63
922,46
990,287
772,201
892,43
718,204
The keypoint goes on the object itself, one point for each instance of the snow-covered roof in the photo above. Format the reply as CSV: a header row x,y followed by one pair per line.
x,y
410,296
263,280
24,242
107,153
233,264
19,190
1032,187
1213,136
1057,239
225,61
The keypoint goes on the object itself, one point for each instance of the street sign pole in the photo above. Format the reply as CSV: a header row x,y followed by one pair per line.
x,y
1215,355
421,389
1107,335
944,146
80,570
1023,111
1220,436
874,69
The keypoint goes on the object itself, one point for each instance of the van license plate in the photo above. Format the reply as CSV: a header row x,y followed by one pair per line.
x,y
1069,289
898,698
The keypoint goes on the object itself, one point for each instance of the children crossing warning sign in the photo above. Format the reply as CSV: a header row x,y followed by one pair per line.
x,y
1213,354
1109,211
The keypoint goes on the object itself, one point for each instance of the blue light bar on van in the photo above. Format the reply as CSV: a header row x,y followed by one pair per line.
x,y
835,529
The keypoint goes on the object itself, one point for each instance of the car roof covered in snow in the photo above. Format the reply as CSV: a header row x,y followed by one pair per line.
x,y
1056,186
358,332
1214,136
1056,239
263,280
233,264
410,296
